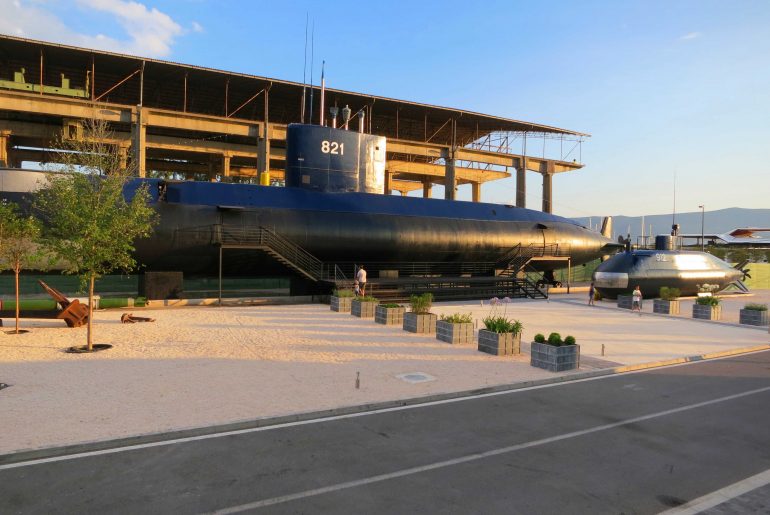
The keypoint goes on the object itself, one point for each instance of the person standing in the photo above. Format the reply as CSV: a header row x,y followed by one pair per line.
x,y
636,300
591,294
361,278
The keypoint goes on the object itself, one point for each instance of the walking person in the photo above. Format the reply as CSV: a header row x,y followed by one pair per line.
x,y
636,300
361,278
591,294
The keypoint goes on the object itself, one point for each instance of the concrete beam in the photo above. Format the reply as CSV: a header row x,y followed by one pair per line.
x,y
63,106
521,184
450,181
417,148
476,192
427,189
465,174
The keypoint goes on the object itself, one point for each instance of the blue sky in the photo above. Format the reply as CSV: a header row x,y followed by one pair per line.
x,y
663,87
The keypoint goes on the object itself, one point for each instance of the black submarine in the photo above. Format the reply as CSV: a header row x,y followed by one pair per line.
x,y
333,208
651,269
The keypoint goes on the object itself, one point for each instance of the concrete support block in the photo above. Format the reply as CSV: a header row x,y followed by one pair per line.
x,y
450,181
521,185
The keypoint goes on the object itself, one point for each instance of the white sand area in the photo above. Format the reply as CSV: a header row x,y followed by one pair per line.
x,y
206,365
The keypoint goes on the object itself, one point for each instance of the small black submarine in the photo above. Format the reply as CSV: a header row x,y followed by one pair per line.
x,y
650,269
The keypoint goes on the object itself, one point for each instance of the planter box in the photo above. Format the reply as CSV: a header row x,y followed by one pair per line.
x,y
363,309
555,359
706,312
499,344
340,304
420,322
753,317
625,301
667,307
454,333
389,316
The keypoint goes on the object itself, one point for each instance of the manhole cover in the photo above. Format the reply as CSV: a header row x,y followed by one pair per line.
x,y
416,377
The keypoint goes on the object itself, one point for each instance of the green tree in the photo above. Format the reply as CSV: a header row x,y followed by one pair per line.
x,y
19,244
90,224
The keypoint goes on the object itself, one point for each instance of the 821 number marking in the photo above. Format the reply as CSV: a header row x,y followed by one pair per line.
x,y
332,147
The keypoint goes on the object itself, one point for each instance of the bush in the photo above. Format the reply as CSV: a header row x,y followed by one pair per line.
x,y
342,293
458,318
390,305
756,307
421,303
500,324
708,301
569,340
539,338
554,339
667,293
366,298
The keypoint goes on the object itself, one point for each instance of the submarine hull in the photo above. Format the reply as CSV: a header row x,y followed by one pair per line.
x,y
335,227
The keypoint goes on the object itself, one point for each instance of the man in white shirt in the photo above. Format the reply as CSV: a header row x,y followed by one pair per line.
x,y
636,300
361,278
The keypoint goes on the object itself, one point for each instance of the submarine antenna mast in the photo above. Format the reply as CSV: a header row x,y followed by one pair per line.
x,y
312,48
323,88
304,73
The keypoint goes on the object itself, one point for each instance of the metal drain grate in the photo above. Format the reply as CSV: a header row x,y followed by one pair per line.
x,y
416,377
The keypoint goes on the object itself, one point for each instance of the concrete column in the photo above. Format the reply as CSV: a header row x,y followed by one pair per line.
x,y
123,156
427,188
548,189
139,141
521,183
388,178
476,191
5,143
450,182
263,156
226,165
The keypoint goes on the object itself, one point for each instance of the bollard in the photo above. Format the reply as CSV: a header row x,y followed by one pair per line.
x,y
602,349
358,380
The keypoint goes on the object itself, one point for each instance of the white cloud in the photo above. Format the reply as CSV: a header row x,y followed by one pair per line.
x,y
148,32
690,35
196,27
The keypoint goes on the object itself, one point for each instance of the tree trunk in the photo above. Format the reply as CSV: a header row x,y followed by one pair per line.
x,y
90,312
16,273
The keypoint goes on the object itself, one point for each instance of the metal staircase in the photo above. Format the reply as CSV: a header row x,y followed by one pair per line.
x,y
261,238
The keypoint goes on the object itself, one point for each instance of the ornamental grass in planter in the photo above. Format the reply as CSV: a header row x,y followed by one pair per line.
x,y
707,308
555,354
501,335
668,303
419,319
341,301
754,314
456,328
363,306
389,314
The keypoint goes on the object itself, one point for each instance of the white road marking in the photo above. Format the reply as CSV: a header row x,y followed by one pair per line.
x,y
476,456
722,495
174,441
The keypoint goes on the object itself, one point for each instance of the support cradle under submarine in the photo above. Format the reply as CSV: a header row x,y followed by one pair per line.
x,y
651,269
334,208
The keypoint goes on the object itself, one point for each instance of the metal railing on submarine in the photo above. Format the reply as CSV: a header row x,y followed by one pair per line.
x,y
510,276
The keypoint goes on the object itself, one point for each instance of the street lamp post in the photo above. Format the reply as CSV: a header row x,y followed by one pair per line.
x,y
702,237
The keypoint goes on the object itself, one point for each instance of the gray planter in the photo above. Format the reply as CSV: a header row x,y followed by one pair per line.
x,y
667,307
389,316
363,309
420,322
454,333
555,359
499,344
753,317
706,312
340,304
625,301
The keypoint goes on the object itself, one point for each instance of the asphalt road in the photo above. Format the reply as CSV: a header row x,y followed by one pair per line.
x,y
631,443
